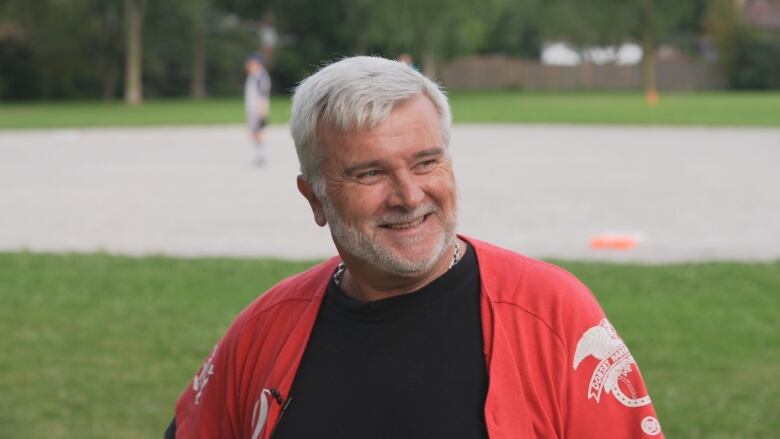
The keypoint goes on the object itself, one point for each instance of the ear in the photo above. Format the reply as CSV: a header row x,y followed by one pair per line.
x,y
314,202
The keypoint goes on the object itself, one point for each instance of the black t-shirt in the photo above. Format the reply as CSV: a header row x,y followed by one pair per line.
x,y
409,366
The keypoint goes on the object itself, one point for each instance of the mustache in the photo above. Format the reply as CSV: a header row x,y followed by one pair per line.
x,y
407,217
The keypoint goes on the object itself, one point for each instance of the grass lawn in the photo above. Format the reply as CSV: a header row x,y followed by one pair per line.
x,y
116,114
723,108
99,346
710,108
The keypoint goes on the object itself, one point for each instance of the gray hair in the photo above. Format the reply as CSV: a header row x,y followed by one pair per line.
x,y
355,94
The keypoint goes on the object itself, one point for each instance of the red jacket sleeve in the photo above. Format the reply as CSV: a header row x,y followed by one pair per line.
x,y
207,407
605,395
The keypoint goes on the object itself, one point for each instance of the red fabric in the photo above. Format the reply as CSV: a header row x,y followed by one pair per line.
x,y
556,367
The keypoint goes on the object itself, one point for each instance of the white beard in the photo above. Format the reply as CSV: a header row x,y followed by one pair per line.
x,y
369,249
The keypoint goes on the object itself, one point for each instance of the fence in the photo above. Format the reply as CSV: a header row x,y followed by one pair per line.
x,y
501,72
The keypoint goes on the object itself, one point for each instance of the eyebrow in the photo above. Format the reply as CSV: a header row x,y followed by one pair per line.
x,y
351,169
429,153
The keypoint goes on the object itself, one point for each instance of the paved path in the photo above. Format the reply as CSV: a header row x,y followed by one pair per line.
x,y
547,191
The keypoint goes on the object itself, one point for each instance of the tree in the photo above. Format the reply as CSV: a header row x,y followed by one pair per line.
x,y
198,11
515,29
433,30
134,19
105,40
648,52
749,57
611,22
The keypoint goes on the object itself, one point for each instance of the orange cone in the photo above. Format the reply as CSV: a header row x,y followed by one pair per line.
x,y
614,242
652,98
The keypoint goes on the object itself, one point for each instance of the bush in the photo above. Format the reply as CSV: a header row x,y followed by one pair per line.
x,y
756,62
18,74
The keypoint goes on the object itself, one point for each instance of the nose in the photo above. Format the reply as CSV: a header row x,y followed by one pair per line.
x,y
406,192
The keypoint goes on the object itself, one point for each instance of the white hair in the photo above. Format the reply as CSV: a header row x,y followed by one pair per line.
x,y
355,94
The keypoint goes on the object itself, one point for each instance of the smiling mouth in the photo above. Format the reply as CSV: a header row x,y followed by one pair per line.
x,y
408,225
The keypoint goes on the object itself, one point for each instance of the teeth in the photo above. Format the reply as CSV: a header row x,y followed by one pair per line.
x,y
406,225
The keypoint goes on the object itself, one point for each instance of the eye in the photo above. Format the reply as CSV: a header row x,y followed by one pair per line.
x,y
426,165
369,176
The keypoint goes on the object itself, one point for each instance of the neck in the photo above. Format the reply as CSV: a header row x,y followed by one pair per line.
x,y
368,283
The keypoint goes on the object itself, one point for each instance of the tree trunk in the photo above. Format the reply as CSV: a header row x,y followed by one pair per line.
x,y
110,60
134,16
648,54
198,67
430,60
110,76
430,64
431,39
198,73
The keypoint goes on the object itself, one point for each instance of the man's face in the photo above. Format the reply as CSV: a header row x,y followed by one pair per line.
x,y
390,191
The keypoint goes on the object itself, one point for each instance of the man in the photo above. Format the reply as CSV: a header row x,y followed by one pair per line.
x,y
412,331
257,104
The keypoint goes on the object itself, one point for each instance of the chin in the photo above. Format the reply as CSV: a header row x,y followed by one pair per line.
x,y
405,262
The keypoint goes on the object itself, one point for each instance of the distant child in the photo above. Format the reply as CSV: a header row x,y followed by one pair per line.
x,y
257,103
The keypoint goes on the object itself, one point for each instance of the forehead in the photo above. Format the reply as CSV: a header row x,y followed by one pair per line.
x,y
411,125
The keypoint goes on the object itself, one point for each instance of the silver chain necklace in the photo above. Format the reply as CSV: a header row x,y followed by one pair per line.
x,y
339,274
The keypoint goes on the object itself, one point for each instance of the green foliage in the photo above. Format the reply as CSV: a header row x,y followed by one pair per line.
x,y
19,74
610,22
757,61
753,61
99,346
315,34
750,58
170,32
432,30
517,29
66,49
592,22
56,36
429,30
724,27
53,39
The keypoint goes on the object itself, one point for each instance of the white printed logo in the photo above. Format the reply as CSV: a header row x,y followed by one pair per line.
x,y
260,413
651,426
616,363
202,378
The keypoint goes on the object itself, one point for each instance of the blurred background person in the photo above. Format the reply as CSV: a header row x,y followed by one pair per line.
x,y
408,60
257,104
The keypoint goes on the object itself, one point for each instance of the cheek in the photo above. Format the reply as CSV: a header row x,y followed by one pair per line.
x,y
442,189
360,204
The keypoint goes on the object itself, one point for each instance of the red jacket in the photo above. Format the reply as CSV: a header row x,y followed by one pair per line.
x,y
556,367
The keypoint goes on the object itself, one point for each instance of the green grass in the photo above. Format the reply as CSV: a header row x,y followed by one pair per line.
x,y
712,109
706,337
707,108
116,114
99,346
